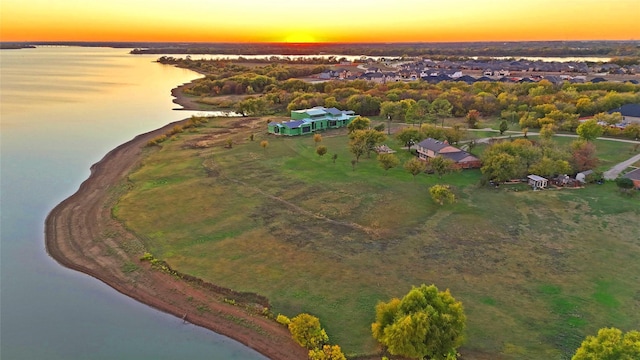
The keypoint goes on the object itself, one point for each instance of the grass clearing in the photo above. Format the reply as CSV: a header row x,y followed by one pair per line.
x,y
536,271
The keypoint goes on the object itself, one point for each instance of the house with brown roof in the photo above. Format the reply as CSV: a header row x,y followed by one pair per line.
x,y
431,148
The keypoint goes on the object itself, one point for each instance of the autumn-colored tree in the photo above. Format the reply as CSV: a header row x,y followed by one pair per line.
x,y
264,144
359,123
415,166
610,344
442,194
321,150
317,138
425,323
307,332
328,352
472,118
583,156
610,119
454,134
432,131
632,131
358,147
546,131
366,138
589,130
388,161
550,167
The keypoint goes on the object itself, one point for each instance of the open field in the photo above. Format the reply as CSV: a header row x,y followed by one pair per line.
x,y
536,271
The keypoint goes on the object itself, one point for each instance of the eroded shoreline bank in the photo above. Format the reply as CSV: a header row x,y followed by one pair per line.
x,y
81,234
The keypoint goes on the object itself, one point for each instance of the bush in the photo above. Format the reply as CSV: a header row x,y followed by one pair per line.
x,y
157,140
283,320
307,332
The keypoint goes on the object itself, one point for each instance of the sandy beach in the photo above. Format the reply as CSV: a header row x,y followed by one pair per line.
x,y
81,234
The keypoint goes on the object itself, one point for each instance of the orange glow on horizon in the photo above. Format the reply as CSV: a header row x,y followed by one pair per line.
x,y
318,21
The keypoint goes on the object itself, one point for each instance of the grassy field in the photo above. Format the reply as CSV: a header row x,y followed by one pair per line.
x,y
536,271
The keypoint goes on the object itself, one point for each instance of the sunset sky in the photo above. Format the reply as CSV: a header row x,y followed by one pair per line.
x,y
318,21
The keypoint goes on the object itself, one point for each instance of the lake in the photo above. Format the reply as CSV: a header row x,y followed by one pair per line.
x,y
62,109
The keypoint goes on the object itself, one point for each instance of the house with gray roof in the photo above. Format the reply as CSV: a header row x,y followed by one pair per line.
x,y
630,113
634,176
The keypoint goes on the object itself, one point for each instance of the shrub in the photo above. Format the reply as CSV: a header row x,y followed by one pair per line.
x,y
283,320
307,332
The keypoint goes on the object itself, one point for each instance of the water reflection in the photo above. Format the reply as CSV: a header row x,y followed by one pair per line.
x,y
63,109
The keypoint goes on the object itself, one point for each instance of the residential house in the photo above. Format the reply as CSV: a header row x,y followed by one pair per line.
x,y
630,113
634,176
431,148
311,120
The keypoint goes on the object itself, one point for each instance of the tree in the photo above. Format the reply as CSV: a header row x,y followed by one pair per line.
x,y
415,166
549,167
632,131
392,109
501,166
264,144
418,112
472,118
328,352
358,147
388,161
583,156
589,130
441,165
610,119
408,136
334,157
503,126
441,108
425,323
359,123
547,132
610,344
321,150
625,184
317,138
367,139
307,332
442,194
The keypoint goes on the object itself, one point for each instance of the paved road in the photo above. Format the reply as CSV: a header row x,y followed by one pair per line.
x,y
613,173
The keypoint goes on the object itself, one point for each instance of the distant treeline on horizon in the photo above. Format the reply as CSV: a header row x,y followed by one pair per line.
x,y
488,49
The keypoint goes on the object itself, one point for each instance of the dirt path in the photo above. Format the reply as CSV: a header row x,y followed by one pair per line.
x,y
81,234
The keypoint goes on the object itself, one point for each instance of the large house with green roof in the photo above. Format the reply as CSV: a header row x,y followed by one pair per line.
x,y
311,120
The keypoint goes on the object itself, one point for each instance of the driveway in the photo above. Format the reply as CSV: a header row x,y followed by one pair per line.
x,y
613,173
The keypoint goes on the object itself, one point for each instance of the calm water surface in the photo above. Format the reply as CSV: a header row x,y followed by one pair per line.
x,y
62,109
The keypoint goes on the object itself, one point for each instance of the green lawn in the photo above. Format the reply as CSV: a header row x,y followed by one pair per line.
x,y
536,271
